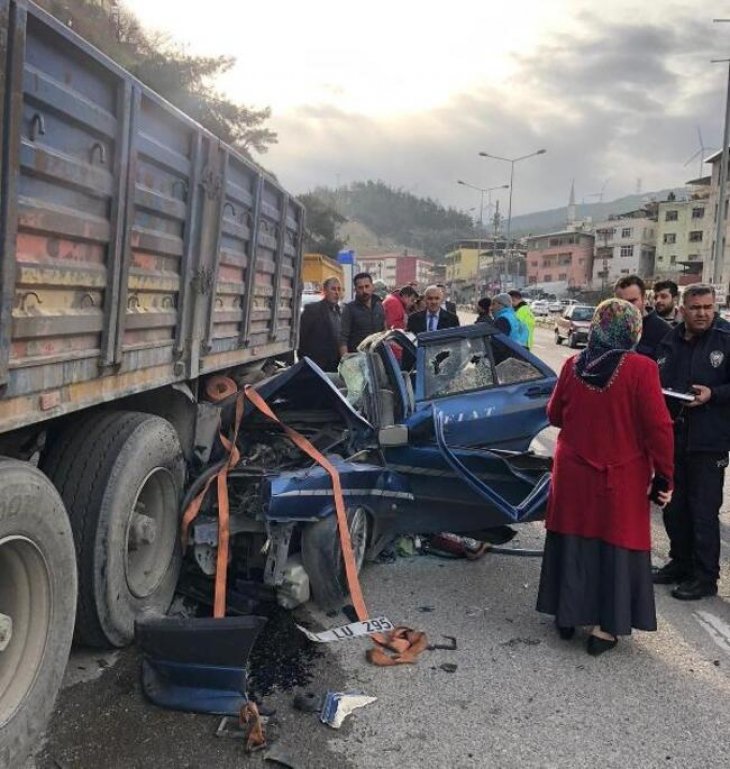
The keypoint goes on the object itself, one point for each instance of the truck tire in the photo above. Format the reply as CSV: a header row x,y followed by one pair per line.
x,y
38,594
322,556
120,475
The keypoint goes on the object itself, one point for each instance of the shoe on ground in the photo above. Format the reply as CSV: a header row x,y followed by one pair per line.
x,y
596,646
670,574
694,589
566,632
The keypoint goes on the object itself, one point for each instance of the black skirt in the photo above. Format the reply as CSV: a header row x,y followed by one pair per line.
x,y
589,582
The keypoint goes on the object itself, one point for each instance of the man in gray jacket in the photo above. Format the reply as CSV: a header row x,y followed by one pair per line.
x,y
363,316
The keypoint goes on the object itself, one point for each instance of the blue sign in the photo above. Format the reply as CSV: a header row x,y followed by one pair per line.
x,y
346,257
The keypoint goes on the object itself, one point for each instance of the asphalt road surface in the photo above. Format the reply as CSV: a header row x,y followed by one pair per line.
x,y
518,696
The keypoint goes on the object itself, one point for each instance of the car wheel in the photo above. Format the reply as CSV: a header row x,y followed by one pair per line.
x,y
558,338
572,341
37,604
322,556
120,475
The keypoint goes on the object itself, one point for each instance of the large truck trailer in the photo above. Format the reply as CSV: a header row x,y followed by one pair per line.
x,y
138,254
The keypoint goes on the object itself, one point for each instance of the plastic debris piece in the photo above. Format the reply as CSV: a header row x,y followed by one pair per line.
x,y
338,705
449,667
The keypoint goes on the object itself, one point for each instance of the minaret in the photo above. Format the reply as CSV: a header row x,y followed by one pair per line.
x,y
571,204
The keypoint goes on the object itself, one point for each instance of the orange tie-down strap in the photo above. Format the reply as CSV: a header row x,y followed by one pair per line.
x,y
403,643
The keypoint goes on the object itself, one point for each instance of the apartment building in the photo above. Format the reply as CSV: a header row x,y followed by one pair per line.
x,y
560,257
684,232
396,270
625,244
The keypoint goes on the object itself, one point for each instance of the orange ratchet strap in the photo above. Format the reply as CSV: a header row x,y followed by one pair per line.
x,y
403,643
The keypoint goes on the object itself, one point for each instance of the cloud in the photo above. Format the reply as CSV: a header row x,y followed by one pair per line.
x,y
606,99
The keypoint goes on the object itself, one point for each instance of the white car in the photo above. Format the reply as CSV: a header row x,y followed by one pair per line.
x,y
555,307
540,308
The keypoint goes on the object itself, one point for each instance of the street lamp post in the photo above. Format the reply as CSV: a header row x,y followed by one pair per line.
x,y
512,162
482,190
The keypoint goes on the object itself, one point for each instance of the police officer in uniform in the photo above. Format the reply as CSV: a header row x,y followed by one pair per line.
x,y
695,358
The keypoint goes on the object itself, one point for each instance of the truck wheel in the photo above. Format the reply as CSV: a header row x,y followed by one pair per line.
x,y
37,604
558,338
322,556
120,475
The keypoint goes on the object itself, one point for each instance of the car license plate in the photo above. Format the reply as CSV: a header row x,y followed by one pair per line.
x,y
348,632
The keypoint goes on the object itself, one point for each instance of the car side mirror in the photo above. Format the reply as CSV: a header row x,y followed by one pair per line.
x,y
393,435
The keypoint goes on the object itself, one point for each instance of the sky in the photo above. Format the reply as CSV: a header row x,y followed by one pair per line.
x,y
394,91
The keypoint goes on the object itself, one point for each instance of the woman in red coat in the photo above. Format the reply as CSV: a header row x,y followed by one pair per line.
x,y
615,435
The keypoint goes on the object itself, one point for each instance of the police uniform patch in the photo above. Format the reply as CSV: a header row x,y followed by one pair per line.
x,y
716,358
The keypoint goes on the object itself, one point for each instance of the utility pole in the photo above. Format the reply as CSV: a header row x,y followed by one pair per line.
x,y
719,251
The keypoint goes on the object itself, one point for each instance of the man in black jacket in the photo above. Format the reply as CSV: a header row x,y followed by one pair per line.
x,y
631,289
695,358
434,317
319,328
363,316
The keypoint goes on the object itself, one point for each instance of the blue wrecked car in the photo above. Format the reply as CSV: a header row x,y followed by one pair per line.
x,y
428,435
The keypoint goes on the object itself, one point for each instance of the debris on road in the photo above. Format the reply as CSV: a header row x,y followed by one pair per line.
x,y
338,705
449,667
348,632
197,665
254,725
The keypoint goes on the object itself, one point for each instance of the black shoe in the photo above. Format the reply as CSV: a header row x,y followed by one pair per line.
x,y
566,633
670,574
596,645
694,589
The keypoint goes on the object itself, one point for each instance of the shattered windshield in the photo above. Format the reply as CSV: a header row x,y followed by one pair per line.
x,y
457,365
354,373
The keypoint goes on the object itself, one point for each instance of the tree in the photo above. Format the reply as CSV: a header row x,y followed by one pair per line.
x,y
321,232
184,80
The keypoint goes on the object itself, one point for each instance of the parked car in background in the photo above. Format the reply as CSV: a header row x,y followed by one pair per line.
x,y
540,308
574,324
555,306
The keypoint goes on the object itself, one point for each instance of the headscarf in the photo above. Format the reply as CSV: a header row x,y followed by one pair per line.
x,y
615,329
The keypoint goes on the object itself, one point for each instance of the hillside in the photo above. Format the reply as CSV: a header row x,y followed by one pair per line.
x,y
555,218
375,218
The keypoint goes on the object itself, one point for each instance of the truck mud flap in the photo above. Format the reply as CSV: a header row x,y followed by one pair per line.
x,y
529,505
197,665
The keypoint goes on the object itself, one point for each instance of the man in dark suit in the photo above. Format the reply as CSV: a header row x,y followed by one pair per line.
x,y
319,329
446,304
434,317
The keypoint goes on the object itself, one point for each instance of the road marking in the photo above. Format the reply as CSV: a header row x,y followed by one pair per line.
x,y
718,629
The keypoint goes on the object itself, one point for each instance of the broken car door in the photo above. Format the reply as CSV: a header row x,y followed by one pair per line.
x,y
486,393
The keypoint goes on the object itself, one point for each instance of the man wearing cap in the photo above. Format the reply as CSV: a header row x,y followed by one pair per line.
x,y
524,313
507,321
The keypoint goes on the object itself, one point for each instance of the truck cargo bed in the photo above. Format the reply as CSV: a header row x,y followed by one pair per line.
x,y
137,249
